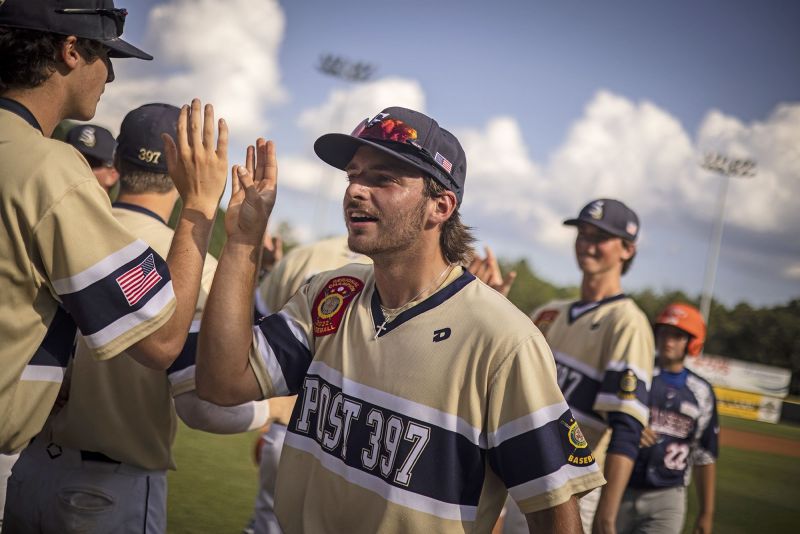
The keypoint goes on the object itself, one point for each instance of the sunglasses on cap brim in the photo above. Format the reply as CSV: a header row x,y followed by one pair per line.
x,y
117,14
397,131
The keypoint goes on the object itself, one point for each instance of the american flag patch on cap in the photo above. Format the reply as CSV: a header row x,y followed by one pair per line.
x,y
444,162
136,282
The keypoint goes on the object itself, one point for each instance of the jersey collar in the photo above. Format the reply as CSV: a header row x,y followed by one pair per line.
x,y
579,309
18,109
428,304
140,209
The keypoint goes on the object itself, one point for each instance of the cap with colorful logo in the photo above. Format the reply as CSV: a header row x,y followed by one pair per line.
x,y
139,140
94,142
611,216
97,20
409,136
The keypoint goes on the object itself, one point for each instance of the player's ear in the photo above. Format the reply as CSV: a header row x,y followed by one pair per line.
x,y
443,207
628,250
69,54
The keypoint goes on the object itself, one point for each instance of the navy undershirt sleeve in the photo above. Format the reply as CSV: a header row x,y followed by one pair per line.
x,y
625,434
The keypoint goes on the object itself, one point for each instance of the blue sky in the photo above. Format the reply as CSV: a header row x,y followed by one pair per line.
x,y
555,103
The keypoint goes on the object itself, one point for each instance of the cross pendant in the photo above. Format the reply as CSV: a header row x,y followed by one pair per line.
x,y
379,329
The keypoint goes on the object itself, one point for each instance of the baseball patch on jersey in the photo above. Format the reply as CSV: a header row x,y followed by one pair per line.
x,y
544,319
627,385
575,444
332,302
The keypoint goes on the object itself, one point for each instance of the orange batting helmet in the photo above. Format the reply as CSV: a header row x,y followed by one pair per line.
x,y
688,319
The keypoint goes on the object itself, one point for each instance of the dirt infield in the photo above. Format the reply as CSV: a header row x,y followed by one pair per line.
x,y
750,441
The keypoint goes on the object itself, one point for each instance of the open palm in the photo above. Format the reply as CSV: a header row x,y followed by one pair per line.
x,y
254,188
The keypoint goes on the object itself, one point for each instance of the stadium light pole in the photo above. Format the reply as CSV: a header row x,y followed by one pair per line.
x,y
727,168
350,72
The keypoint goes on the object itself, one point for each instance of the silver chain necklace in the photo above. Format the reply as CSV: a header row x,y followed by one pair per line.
x,y
389,314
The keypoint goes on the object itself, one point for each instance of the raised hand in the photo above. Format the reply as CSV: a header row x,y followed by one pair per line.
x,y
198,167
488,271
254,188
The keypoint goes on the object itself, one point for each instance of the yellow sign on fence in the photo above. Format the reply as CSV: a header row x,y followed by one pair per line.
x,y
746,405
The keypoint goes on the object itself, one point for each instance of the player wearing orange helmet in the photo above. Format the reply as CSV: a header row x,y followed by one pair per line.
x,y
683,434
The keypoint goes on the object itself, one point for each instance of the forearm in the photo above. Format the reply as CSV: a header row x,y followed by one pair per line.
x,y
209,417
618,469
223,373
185,260
705,479
563,518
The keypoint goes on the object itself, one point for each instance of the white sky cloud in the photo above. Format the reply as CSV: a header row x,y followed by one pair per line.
x,y
225,53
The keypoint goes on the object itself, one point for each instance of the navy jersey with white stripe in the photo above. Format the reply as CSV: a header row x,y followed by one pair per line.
x,y
423,427
683,413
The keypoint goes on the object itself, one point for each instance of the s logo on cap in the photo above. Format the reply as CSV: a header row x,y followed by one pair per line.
x,y
87,137
595,211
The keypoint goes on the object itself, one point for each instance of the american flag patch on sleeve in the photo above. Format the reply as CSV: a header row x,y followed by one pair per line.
x,y
136,282
444,162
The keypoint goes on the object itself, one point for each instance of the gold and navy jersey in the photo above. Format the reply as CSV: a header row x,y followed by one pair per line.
x,y
683,413
298,266
420,424
65,262
119,407
604,355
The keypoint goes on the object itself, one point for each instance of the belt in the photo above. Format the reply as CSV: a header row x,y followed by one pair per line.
x,y
92,456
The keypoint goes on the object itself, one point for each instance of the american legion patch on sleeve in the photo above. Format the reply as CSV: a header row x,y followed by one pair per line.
x,y
575,445
332,302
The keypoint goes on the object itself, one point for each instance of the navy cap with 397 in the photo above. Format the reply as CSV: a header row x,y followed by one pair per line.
x,y
97,20
139,141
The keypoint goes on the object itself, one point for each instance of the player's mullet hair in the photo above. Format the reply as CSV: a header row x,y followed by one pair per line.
x,y
456,238
29,57
135,180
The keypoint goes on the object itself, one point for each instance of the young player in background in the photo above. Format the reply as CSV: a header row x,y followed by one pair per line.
x,y
682,436
97,145
603,346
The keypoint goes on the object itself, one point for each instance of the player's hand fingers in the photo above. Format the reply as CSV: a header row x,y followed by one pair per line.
x,y
171,153
261,159
182,126
195,128
245,178
270,165
235,185
208,126
250,160
222,140
508,281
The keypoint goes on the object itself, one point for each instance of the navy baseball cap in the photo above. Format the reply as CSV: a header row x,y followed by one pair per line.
x,y
139,141
611,216
97,20
93,141
409,136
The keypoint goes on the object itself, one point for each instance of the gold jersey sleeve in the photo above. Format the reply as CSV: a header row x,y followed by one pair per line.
x,y
65,263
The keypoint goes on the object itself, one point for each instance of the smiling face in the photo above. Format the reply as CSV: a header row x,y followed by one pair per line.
x,y
599,252
385,208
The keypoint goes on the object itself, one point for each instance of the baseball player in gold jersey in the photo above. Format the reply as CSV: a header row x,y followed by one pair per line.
x,y
294,270
603,346
65,262
110,445
424,395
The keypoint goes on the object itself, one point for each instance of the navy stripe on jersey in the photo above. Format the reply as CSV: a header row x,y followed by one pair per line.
x,y
58,343
292,356
579,389
579,309
18,109
623,391
394,449
428,304
101,303
188,356
139,209
535,454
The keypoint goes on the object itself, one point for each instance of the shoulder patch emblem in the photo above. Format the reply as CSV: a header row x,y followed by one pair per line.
x,y
575,445
627,385
544,319
332,302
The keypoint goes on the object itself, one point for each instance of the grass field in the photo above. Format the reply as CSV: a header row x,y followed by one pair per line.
x,y
214,488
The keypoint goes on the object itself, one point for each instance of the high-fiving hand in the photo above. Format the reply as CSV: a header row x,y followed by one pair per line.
x,y
197,167
254,188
